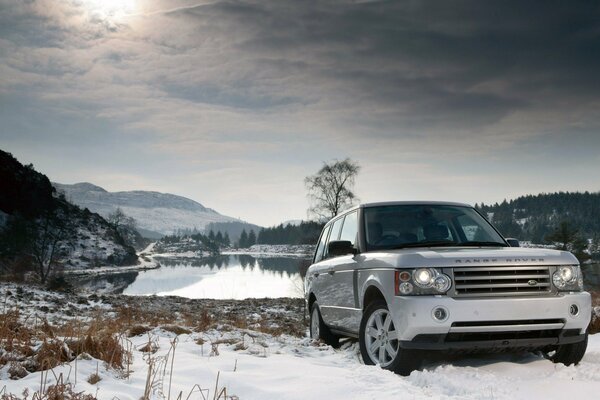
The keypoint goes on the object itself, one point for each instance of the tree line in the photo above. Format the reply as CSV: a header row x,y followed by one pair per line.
x,y
533,217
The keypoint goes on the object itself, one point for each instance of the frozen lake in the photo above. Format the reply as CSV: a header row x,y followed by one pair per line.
x,y
221,277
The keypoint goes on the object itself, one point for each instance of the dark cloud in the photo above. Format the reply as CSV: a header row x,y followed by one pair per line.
x,y
308,80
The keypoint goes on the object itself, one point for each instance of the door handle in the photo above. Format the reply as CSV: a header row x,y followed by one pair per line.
x,y
316,274
331,272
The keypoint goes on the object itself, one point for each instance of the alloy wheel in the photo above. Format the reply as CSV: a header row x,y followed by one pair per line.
x,y
381,338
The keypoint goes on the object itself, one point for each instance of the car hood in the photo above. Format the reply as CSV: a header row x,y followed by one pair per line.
x,y
468,256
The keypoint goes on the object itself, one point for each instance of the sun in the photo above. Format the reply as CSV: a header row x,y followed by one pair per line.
x,y
111,8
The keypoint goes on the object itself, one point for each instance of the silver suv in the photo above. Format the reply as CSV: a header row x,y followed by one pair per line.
x,y
410,277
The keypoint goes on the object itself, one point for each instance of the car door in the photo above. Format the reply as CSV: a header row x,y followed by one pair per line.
x,y
342,307
318,270
326,282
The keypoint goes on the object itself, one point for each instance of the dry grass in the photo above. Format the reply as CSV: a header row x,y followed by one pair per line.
x,y
35,345
176,329
60,391
15,338
204,323
138,330
93,379
105,346
50,354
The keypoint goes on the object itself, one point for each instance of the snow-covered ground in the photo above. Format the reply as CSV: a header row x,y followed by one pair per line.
x,y
264,367
277,250
253,364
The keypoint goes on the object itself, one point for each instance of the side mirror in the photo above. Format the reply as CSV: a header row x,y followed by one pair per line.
x,y
337,248
513,242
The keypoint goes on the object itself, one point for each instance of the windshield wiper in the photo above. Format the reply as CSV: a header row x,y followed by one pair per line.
x,y
476,244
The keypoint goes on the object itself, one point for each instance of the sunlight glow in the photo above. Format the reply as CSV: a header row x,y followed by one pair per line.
x,y
111,8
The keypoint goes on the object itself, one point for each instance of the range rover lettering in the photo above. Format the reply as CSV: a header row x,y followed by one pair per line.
x,y
410,277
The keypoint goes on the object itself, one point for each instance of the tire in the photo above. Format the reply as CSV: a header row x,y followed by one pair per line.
x,y
318,329
568,354
378,344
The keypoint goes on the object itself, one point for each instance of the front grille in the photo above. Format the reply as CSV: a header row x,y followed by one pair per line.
x,y
492,281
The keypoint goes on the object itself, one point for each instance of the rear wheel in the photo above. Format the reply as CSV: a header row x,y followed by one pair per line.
x,y
379,344
568,353
318,329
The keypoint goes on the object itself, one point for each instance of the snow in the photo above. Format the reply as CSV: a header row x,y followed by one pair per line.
x,y
159,212
256,365
144,264
259,366
522,221
275,250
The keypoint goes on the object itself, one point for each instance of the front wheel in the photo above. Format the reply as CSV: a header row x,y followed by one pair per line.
x,y
379,344
318,329
568,354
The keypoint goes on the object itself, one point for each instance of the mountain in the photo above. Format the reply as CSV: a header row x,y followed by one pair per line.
x,y
533,217
154,212
40,230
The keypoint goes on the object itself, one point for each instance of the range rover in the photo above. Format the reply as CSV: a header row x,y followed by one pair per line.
x,y
408,278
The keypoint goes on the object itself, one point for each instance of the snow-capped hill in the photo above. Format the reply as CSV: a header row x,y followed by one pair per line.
x,y
158,212
83,187
50,229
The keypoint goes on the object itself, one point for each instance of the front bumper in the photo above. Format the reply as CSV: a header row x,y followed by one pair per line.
x,y
490,323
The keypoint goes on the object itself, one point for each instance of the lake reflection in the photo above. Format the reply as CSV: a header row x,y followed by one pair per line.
x,y
222,277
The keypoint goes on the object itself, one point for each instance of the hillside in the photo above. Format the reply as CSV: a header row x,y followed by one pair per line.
x,y
154,212
533,217
40,227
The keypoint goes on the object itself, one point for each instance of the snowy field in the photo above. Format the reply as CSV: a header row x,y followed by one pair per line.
x,y
249,346
264,367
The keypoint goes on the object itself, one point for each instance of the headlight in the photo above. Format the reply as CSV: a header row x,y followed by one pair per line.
x,y
421,281
568,278
442,283
424,277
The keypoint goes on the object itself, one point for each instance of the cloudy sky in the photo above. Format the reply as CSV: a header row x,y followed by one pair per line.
x,y
233,103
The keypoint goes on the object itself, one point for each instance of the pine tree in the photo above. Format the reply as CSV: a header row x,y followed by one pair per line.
x,y
251,238
219,237
243,242
564,235
226,240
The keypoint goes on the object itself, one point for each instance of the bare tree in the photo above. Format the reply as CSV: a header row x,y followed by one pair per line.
x,y
51,242
330,189
41,243
122,223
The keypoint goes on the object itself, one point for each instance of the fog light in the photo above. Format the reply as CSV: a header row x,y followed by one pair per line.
x,y
440,314
574,310
405,288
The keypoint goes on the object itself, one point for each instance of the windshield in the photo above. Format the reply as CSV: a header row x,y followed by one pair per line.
x,y
400,226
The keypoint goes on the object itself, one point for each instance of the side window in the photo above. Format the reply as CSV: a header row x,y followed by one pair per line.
x,y
350,228
321,245
335,233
